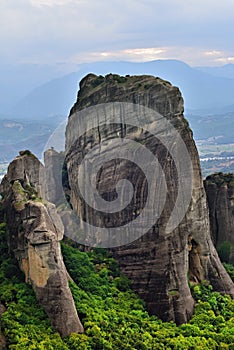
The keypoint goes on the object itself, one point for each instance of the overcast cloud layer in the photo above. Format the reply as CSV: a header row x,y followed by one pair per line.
x,y
76,31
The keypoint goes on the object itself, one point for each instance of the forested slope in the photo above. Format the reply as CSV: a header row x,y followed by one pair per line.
x,y
113,316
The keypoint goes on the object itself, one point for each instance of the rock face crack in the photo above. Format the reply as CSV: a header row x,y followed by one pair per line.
x,y
160,276
220,195
35,232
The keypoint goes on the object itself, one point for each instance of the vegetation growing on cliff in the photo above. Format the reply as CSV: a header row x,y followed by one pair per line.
x,y
220,179
113,316
224,251
230,269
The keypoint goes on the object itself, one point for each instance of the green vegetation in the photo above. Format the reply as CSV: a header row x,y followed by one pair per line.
x,y
221,178
112,315
24,324
224,251
27,152
110,77
97,81
230,269
115,77
28,192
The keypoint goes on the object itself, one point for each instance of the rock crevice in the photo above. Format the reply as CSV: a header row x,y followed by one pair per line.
x,y
157,263
35,232
220,195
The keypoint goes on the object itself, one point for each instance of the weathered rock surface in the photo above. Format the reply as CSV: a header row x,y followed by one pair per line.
x,y
158,264
2,337
53,174
55,190
220,195
35,230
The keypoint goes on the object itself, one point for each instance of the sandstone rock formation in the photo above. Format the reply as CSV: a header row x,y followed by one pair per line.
x,y
220,195
53,185
55,190
158,264
2,337
35,230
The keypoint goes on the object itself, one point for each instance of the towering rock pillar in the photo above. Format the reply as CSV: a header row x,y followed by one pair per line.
x,y
159,264
35,232
220,195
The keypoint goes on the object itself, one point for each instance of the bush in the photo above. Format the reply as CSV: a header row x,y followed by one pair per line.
x,y
112,314
230,270
224,251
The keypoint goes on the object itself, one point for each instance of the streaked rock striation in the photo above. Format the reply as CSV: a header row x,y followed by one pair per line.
x,y
158,264
35,232
220,195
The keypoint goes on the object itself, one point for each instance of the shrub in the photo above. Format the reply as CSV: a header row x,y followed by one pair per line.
x,y
224,251
112,314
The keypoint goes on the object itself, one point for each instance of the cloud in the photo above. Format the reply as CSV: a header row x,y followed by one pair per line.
x,y
213,53
50,3
225,60
220,57
138,54
194,56
65,30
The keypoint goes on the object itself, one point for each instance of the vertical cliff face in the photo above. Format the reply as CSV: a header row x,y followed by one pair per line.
x,y
159,263
2,337
53,176
220,195
35,230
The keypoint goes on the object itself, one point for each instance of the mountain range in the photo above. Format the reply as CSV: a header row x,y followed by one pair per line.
x,y
35,99
205,89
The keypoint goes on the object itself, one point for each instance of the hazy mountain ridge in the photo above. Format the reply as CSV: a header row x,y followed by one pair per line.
x,y
208,94
204,88
18,80
226,71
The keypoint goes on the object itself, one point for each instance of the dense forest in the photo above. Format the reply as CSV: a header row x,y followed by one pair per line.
x,y
112,314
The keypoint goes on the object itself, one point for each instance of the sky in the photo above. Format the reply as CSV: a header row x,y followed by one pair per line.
x,y
70,32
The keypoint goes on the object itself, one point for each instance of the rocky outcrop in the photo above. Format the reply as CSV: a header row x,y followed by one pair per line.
x,y
2,337
56,190
53,174
220,195
159,263
35,232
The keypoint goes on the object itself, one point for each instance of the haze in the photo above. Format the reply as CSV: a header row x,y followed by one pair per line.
x,y
65,32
